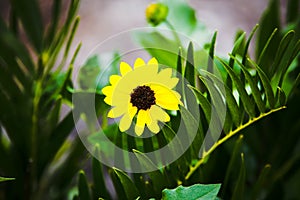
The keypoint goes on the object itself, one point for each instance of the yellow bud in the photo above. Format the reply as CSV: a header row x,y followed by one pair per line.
x,y
156,13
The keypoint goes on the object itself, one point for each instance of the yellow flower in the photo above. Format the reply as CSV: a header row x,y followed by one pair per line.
x,y
143,91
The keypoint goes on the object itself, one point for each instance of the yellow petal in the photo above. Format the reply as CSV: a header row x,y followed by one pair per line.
x,y
131,110
153,127
108,90
165,97
157,113
116,112
124,68
152,61
139,130
108,100
143,118
139,63
164,78
125,122
165,73
114,79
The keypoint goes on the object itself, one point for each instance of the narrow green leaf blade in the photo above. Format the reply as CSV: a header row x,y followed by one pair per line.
x,y
253,85
129,187
2,179
266,84
83,187
189,72
240,184
241,90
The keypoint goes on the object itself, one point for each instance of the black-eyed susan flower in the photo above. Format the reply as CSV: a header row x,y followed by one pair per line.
x,y
142,91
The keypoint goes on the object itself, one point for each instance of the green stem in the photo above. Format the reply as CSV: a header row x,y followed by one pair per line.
x,y
177,39
33,155
228,136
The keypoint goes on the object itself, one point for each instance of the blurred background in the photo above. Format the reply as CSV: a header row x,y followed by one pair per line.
x,y
100,19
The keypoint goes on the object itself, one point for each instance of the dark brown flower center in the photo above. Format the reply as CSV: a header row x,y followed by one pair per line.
x,y
142,97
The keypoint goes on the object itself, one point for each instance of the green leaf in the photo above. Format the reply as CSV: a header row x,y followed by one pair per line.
x,y
159,183
253,85
31,18
210,63
159,46
248,43
231,166
282,49
262,179
2,179
240,184
129,187
295,85
237,45
281,97
261,55
203,102
88,73
181,16
190,70
83,187
241,90
269,21
197,191
99,189
230,100
294,53
292,13
266,84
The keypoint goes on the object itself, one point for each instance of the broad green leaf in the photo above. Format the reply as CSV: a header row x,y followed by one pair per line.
x,y
242,92
238,192
2,179
159,46
83,187
129,187
266,84
181,16
197,191
88,73
253,85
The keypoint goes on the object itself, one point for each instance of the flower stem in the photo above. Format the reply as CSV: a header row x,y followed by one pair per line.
x,y
177,39
228,136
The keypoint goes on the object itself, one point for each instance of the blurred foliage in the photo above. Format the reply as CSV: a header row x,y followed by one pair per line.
x,y
34,144
256,157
